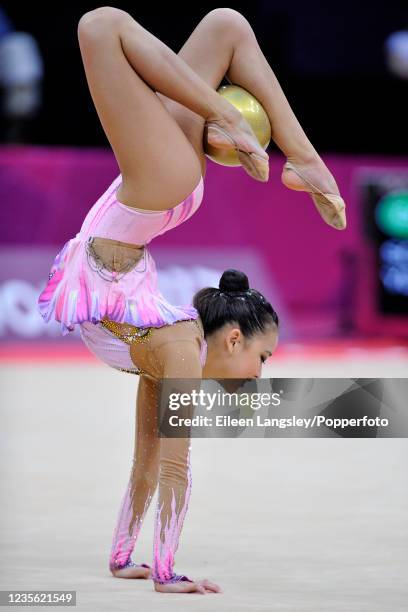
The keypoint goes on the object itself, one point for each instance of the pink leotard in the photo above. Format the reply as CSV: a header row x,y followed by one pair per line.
x,y
77,293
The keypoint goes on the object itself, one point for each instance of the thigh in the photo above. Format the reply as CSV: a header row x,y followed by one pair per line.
x,y
159,166
209,52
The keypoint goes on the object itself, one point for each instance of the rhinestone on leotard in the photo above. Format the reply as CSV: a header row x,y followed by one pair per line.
x,y
132,334
129,371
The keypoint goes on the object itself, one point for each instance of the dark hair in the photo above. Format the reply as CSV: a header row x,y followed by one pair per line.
x,y
235,302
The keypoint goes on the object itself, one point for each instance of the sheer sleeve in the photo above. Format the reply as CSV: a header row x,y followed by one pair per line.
x,y
172,351
143,477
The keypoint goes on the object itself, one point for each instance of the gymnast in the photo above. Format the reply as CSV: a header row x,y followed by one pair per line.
x,y
153,105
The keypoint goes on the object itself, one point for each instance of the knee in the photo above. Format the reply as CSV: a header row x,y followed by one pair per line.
x,y
99,18
228,19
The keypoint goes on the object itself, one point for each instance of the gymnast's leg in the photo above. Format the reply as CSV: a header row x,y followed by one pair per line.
x,y
224,43
250,69
124,65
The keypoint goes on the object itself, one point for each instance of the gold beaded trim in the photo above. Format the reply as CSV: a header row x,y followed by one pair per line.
x,y
136,334
140,372
126,332
129,371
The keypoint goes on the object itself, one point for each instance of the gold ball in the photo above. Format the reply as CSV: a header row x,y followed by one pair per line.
x,y
253,112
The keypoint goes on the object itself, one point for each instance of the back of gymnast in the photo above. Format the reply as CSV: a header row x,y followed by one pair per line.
x,y
153,105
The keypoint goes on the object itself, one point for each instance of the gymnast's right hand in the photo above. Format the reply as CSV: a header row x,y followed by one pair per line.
x,y
199,586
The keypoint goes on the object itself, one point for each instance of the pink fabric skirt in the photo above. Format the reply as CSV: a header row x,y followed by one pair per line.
x,y
77,291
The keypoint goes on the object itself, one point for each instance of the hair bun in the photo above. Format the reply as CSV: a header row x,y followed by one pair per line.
x,y
233,280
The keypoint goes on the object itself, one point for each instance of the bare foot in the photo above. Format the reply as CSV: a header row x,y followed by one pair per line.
x,y
132,572
199,586
234,132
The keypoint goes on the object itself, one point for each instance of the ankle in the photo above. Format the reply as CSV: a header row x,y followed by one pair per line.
x,y
305,158
315,171
226,112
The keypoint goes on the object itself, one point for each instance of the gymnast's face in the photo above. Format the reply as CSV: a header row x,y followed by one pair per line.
x,y
232,355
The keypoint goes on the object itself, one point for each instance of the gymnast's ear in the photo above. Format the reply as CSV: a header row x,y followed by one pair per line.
x,y
234,337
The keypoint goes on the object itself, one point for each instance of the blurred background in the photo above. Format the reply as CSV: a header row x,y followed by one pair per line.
x,y
341,296
325,523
